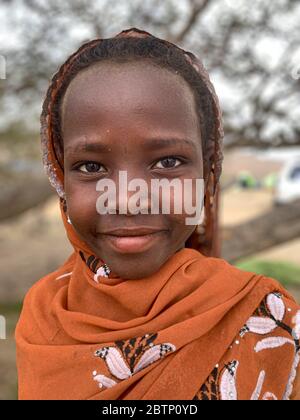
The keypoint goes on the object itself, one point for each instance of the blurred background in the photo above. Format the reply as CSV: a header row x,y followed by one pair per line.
x,y
252,52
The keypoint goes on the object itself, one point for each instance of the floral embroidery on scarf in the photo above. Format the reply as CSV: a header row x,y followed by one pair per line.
x,y
272,312
209,391
269,396
276,311
128,357
96,266
268,317
103,271
220,385
228,389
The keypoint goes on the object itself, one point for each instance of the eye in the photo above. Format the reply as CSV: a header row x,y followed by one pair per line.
x,y
90,167
168,162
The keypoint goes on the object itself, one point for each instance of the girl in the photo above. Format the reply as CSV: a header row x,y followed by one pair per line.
x,y
144,308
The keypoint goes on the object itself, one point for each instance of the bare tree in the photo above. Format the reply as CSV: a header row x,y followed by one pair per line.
x,y
250,48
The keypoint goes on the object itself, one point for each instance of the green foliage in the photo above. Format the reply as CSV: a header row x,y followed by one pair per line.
x,y
287,273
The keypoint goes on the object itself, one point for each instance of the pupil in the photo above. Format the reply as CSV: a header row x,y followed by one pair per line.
x,y
92,167
169,161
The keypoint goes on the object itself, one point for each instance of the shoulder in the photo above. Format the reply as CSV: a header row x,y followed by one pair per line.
x,y
213,267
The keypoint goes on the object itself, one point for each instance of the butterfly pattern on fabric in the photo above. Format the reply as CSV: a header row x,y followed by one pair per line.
x,y
268,318
127,357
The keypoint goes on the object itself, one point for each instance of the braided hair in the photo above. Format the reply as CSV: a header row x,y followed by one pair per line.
x,y
132,45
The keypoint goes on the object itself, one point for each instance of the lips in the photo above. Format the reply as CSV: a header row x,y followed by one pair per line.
x,y
134,231
134,240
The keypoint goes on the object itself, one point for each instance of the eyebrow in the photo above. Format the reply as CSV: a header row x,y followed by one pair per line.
x,y
84,146
161,143
149,144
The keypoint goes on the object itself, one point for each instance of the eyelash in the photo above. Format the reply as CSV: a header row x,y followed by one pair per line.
x,y
182,161
77,167
171,157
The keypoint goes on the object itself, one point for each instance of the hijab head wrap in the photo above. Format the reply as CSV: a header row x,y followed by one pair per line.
x,y
205,238
85,333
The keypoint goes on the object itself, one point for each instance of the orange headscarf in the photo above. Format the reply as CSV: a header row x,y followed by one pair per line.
x,y
84,333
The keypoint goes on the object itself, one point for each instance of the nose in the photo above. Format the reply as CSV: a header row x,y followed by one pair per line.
x,y
132,195
127,194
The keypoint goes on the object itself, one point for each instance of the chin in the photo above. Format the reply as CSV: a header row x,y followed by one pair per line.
x,y
132,273
134,267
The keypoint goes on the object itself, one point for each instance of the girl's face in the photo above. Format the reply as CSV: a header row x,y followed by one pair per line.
x,y
129,117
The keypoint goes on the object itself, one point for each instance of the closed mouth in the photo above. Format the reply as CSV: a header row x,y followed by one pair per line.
x,y
128,241
142,231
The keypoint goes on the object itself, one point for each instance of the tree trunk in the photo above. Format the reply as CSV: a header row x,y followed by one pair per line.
x,y
280,225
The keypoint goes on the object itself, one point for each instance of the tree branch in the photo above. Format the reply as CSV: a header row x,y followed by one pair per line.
x,y
198,8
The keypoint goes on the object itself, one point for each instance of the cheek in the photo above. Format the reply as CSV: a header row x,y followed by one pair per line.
x,y
187,199
191,202
181,231
81,204
183,208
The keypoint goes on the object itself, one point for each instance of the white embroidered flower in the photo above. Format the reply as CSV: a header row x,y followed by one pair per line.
x,y
264,325
256,394
292,377
102,271
260,325
115,362
276,306
153,354
118,366
103,380
228,389
272,343
269,396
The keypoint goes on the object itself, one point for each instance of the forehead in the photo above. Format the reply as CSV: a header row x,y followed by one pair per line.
x,y
132,95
